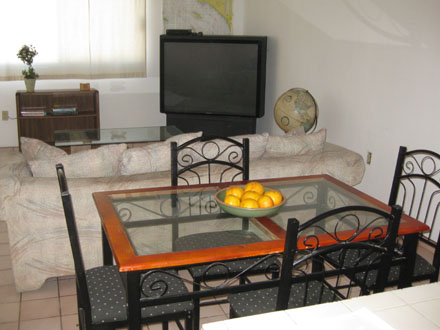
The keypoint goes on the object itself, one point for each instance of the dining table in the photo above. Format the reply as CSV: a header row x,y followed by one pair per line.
x,y
140,226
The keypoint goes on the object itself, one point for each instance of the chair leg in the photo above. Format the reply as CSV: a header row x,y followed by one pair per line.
x,y
189,321
165,325
232,313
196,303
81,319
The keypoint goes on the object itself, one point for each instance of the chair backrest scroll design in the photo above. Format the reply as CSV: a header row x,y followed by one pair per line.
x,y
207,151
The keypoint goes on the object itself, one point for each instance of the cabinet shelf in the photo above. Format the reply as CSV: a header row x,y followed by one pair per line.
x,y
42,127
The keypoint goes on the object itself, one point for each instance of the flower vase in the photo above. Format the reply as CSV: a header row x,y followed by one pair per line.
x,y
30,85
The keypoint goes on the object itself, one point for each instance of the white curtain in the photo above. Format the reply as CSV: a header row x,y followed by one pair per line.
x,y
74,38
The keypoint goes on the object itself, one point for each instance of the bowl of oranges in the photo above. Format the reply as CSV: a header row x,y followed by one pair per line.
x,y
250,201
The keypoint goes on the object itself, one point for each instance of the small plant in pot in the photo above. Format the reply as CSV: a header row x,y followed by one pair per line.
x,y
26,54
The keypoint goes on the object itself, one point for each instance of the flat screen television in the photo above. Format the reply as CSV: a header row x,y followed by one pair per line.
x,y
213,75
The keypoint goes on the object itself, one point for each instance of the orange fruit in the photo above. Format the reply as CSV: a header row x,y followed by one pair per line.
x,y
232,200
249,204
250,195
237,191
275,195
265,202
254,186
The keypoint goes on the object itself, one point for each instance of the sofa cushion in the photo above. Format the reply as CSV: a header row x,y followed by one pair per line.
x,y
101,162
152,157
296,131
257,144
37,149
283,146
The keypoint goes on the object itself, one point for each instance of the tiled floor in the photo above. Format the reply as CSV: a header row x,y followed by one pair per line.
x,y
53,307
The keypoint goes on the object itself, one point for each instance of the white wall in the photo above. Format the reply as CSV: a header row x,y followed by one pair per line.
x,y
373,67
123,102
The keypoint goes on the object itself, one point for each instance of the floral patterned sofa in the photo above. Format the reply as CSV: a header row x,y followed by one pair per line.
x,y
31,206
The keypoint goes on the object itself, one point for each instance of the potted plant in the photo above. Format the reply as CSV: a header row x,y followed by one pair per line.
x,y
26,54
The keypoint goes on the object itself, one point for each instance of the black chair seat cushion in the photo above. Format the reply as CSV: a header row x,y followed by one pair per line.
x,y
175,286
264,301
422,268
226,268
108,296
353,258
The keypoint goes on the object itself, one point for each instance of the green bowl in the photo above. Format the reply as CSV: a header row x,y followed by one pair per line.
x,y
243,212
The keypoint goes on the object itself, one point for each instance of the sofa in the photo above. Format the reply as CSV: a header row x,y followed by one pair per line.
x,y
30,201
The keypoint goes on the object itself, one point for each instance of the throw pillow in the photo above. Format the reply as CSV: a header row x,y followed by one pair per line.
x,y
296,131
152,157
101,162
257,143
37,149
283,146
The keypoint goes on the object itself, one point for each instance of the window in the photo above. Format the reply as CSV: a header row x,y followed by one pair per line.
x,y
74,38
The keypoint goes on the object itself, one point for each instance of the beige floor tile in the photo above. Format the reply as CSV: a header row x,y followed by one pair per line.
x,y
68,305
48,290
5,262
4,249
70,322
9,326
8,294
225,308
6,277
9,312
38,309
67,286
212,310
158,326
53,323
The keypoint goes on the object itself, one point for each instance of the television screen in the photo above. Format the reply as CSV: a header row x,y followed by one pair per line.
x,y
221,75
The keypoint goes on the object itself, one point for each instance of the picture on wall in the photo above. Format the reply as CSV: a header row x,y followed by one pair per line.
x,y
206,16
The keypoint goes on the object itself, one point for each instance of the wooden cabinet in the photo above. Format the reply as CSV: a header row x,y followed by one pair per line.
x,y
41,113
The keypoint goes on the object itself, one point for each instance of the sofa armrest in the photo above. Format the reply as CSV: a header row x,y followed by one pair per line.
x,y
13,168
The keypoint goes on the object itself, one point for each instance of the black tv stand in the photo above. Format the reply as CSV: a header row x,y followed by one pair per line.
x,y
213,124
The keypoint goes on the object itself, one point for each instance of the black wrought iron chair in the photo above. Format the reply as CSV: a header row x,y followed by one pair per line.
x,y
101,294
416,186
215,159
307,278
220,158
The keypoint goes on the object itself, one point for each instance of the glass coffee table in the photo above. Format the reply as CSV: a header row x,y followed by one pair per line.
x,y
83,137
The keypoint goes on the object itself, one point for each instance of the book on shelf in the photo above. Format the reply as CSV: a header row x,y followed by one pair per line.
x,y
33,113
64,111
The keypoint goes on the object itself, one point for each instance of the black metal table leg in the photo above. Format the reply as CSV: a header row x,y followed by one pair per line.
x,y
134,294
107,255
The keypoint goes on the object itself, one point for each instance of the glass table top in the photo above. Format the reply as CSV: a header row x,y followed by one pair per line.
x,y
64,138
153,220
144,227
